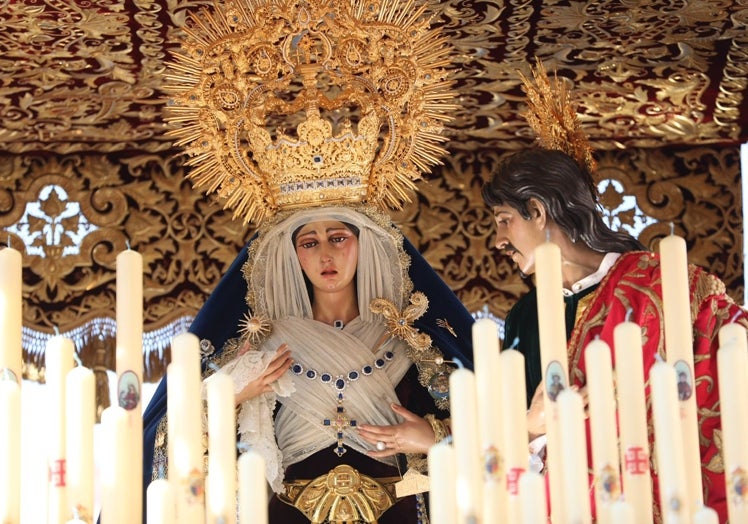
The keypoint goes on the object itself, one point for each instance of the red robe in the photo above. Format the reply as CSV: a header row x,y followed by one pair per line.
x,y
634,282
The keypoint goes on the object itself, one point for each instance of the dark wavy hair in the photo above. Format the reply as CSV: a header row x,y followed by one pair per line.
x,y
567,192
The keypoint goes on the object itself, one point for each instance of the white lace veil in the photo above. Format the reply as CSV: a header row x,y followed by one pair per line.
x,y
275,279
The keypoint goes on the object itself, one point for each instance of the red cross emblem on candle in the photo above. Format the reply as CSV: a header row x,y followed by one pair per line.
x,y
636,460
512,480
56,473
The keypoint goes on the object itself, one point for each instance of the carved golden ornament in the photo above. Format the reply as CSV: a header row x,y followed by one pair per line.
x,y
400,323
554,119
254,328
364,85
342,496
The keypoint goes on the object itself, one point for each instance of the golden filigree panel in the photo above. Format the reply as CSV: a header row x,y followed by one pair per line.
x,y
187,242
72,215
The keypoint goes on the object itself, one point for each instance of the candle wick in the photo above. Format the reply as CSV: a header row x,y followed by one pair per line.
x,y
547,234
77,359
658,358
242,447
127,244
515,343
735,316
629,313
213,366
459,363
8,239
672,228
161,472
57,331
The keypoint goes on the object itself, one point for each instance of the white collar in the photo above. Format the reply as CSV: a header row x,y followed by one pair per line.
x,y
595,278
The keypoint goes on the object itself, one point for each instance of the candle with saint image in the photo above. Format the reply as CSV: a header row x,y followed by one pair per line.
x,y
464,423
58,362
10,449
552,333
732,374
513,394
252,489
632,420
184,428
129,364
676,306
574,465
487,372
602,411
442,488
80,396
11,307
221,483
668,446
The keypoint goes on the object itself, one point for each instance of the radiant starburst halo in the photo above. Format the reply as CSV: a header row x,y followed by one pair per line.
x,y
254,328
281,104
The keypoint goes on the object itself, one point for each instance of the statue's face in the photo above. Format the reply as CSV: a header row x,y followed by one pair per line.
x,y
328,254
518,237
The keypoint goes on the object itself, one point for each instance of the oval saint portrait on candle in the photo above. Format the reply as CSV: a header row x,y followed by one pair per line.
x,y
128,390
684,378
555,381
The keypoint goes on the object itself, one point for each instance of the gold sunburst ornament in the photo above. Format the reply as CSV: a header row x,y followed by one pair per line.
x,y
554,119
283,104
254,328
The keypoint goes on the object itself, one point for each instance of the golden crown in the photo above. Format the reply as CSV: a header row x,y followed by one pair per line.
x,y
362,83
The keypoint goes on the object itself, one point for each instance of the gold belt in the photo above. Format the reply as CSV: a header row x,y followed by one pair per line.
x,y
342,496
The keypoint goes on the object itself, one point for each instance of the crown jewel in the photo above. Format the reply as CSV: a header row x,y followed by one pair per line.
x,y
282,104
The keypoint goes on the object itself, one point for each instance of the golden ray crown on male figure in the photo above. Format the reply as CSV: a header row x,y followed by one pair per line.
x,y
310,119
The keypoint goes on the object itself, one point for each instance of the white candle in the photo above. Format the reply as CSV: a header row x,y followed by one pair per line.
x,y
574,448
129,364
253,507
602,410
553,355
732,372
705,515
462,404
532,495
443,490
669,448
184,407
160,498
487,372
129,311
11,307
10,450
221,450
513,395
622,512
80,397
632,420
114,420
679,350
58,362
